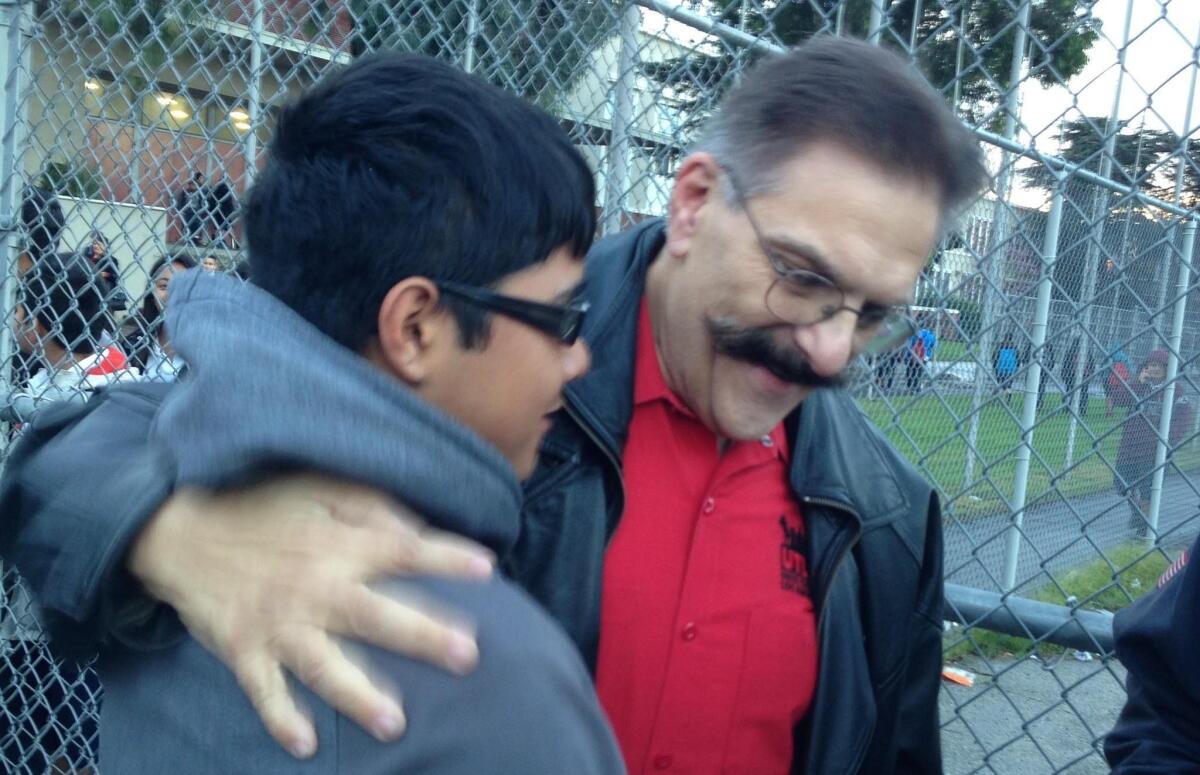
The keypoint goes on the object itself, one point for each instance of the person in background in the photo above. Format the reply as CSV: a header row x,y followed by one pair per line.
x,y
144,334
1145,397
222,209
1006,361
59,320
104,264
211,264
929,339
192,206
1116,385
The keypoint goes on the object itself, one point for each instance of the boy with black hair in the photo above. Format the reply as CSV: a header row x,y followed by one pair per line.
x,y
415,235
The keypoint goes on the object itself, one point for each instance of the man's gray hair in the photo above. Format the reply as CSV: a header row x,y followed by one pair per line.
x,y
843,91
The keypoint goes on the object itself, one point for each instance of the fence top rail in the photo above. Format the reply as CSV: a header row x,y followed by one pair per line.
x,y
737,37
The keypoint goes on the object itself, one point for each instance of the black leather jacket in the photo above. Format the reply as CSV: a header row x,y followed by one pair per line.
x,y
873,525
873,528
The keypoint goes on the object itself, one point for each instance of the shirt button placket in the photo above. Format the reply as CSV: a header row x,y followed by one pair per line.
x,y
688,632
709,506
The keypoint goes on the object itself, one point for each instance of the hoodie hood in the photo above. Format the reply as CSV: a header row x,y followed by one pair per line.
x,y
264,390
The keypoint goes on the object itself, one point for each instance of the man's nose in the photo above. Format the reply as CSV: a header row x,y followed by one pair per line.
x,y
829,345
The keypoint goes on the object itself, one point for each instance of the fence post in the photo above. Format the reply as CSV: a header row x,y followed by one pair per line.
x,y
1170,388
12,32
1033,379
875,28
991,278
253,92
472,35
616,177
1098,221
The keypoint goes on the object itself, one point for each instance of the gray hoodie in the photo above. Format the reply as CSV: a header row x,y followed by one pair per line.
x,y
266,391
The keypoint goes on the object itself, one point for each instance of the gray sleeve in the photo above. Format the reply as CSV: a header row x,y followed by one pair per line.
x,y
23,406
529,707
79,485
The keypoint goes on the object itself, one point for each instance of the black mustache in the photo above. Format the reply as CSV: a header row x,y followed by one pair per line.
x,y
758,348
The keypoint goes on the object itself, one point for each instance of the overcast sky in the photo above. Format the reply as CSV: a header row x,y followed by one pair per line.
x,y
1158,72
1158,69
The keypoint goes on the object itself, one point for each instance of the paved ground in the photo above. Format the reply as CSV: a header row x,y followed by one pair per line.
x,y
1026,717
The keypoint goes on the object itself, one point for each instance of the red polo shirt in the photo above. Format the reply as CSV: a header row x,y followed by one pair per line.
x,y
708,650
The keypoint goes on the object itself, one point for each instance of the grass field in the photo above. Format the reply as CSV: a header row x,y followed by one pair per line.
x,y
951,351
931,431
1133,570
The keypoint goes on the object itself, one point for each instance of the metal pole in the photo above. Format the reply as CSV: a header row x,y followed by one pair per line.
x,y
472,35
12,42
253,92
916,22
875,30
1098,218
1183,157
1169,387
958,58
992,278
616,179
1032,382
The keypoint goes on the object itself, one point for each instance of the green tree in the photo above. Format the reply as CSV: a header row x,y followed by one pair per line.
x,y
1136,153
153,29
1060,33
538,48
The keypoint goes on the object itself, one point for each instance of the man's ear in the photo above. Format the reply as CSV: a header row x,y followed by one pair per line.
x,y
414,329
696,184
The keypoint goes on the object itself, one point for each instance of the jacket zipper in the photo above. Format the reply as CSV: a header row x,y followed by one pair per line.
x,y
573,413
842,551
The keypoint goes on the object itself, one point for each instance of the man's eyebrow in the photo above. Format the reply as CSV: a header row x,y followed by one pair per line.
x,y
821,265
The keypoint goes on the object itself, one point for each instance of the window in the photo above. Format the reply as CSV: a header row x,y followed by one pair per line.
x,y
192,112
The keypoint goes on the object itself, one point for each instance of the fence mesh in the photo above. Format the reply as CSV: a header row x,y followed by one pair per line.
x,y
1051,396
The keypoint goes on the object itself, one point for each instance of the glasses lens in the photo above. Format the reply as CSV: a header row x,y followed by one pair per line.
x,y
894,331
803,298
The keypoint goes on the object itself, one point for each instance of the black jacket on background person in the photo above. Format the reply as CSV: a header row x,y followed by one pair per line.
x,y
873,527
1158,732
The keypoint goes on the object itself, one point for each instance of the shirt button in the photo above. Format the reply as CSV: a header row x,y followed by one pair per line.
x,y
662,761
710,505
689,631
767,441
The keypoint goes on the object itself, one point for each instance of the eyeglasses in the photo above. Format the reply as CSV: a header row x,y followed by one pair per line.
x,y
801,297
561,321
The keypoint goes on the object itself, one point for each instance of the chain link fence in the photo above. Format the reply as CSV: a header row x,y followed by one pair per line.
x,y
1051,395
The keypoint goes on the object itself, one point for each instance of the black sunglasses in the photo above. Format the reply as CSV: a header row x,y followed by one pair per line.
x,y
561,321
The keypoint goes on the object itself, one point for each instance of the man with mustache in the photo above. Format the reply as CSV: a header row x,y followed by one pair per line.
x,y
752,571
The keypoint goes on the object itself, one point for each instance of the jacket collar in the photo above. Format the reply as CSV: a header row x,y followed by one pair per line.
x,y
616,280
833,444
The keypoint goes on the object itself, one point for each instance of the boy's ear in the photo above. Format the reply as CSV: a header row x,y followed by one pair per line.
x,y
414,329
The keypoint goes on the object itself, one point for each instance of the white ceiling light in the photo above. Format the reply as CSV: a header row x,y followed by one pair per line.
x,y
237,114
